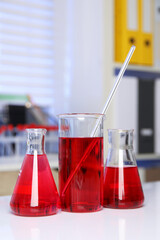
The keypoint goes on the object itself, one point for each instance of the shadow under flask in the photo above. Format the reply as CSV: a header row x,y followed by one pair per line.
x,y
35,192
122,185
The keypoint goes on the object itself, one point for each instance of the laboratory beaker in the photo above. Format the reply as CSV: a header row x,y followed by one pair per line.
x,y
122,185
35,193
80,162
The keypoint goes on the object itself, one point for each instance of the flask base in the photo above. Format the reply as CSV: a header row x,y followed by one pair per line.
x,y
41,210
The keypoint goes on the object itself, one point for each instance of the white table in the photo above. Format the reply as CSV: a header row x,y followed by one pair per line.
x,y
108,224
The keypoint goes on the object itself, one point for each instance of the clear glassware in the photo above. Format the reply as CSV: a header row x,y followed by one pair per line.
x,y
122,185
80,162
35,193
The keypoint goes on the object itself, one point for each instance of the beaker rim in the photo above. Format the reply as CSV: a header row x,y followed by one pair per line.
x,y
76,115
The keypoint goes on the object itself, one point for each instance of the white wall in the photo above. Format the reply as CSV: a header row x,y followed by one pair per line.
x,y
82,51
126,107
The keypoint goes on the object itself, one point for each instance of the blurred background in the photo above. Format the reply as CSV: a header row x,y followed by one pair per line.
x,y
60,56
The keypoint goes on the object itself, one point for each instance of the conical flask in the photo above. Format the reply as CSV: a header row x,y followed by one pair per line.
x,y
122,185
35,193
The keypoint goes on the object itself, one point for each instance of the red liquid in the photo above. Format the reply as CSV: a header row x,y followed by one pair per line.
x,y
85,191
122,188
22,198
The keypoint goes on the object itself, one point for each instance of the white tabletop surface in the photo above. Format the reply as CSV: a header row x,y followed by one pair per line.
x,y
108,224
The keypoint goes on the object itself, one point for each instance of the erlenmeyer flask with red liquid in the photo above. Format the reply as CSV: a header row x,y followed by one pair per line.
x,y
35,193
122,185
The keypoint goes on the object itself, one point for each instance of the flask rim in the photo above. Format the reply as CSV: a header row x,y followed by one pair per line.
x,y
120,130
36,130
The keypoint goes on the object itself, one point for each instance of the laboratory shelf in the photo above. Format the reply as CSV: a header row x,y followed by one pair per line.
x,y
148,160
14,163
141,72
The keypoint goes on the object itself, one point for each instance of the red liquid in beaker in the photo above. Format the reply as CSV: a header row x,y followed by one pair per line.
x,y
36,197
122,187
85,191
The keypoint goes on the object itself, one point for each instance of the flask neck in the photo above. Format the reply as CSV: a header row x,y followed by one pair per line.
x,y
35,141
121,139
